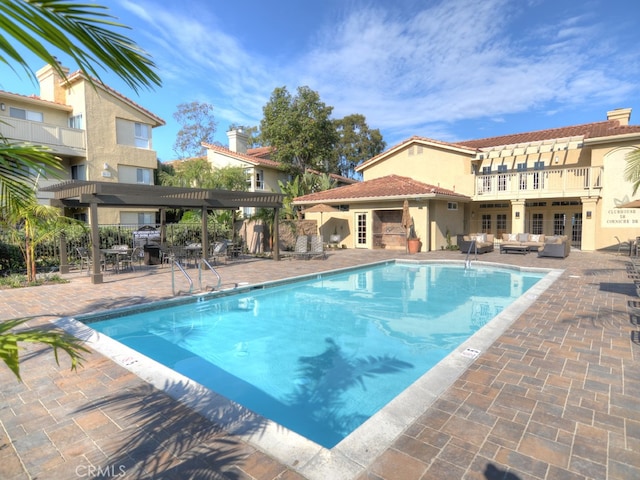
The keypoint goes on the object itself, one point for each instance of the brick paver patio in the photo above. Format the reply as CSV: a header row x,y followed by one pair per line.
x,y
557,396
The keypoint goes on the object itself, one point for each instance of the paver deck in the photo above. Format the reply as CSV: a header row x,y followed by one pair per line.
x,y
557,396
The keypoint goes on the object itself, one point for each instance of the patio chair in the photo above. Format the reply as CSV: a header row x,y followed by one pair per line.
x,y
85,259
166,256
623,245
219,250
127,261
317,247
301,249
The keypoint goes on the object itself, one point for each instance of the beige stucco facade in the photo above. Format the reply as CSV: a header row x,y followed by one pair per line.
x,y
97,133
565,181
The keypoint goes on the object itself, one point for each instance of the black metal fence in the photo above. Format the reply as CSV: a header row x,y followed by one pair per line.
x,y
48,252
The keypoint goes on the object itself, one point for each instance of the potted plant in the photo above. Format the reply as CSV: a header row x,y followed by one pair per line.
x,y
413,241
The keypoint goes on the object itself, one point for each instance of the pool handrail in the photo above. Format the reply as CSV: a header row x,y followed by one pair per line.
x,y
204,260
474,245
175,262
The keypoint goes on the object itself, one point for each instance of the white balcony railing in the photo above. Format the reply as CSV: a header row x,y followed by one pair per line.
x,y
59,139
561,182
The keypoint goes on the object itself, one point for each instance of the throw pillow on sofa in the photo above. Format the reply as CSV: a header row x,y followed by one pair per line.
x,y
523,237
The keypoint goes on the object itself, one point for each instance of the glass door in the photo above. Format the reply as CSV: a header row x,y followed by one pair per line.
x,y
361,230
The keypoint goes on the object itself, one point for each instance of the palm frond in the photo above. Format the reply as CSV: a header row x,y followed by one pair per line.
x,y
632,169
57,340
85,32
20,166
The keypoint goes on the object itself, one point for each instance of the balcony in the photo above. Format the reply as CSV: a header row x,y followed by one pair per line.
x,y
61,140
561,182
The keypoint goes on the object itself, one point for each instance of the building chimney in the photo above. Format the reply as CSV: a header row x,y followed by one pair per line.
x,y
238,140
623,115
50,84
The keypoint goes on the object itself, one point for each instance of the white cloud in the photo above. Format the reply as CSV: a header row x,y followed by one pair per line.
x,y
410,72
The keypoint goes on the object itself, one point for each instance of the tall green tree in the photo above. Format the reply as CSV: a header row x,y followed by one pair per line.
x,y
356,143
300,130
90,36
198,173
197,125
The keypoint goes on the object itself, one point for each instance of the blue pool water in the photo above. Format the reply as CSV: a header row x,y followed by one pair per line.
x,y
321,356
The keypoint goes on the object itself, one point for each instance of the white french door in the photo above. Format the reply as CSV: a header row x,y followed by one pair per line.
x,y
361,230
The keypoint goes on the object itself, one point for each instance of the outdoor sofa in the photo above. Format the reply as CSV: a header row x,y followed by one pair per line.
x,y
555,246
533,243
484,242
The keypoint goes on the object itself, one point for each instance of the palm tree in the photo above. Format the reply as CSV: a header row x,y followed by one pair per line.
x,y
632,170
87,34
31,224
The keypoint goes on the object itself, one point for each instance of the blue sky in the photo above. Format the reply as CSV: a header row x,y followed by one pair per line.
x,y
449,70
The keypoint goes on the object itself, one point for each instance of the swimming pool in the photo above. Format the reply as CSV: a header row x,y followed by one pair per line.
x,y
322,355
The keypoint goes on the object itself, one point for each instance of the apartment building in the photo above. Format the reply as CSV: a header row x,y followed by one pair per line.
x,y
98,134
263,174
560,181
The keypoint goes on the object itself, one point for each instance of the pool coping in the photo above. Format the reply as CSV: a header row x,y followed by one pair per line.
x,y
353,454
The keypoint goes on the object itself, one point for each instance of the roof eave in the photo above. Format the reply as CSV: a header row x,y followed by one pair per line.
x,y
416,197
612,138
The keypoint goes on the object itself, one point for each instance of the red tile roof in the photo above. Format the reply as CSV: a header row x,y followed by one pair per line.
x,y
242,156
389,186
256,157
607,128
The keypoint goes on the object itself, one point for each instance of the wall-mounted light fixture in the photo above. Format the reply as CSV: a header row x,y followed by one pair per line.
x,y
105,166
557,160
3,107
588,213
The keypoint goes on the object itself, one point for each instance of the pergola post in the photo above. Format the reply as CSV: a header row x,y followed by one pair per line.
x,y
205,233
64,257
276,235
96,272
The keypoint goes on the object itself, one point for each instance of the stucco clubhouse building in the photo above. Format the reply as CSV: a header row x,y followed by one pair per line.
x,y
560,181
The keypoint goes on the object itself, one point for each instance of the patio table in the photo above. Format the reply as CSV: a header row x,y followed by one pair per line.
x,y
116,254
194,252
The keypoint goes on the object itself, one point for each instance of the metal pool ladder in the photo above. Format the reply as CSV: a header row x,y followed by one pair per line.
x,y
467,261
202,261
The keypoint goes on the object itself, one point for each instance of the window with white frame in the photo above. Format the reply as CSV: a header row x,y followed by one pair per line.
x,y
75,121
537,222
259,179
486,223
502,177
143,175
486,179
23,114
79,172
522,177
452,205
142,135
133,134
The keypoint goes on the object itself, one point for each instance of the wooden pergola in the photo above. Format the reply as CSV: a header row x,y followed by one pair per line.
x,y
93,195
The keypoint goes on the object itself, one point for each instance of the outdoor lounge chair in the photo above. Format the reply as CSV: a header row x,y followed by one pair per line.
x,y
317,247
625,246
301,249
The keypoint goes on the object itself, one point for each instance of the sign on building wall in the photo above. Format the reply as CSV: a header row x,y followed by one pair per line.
x,y
616,192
